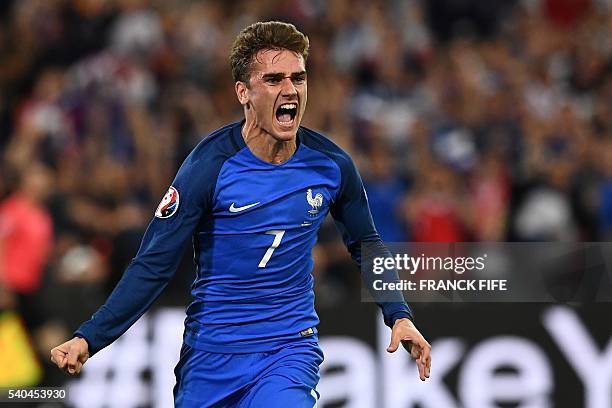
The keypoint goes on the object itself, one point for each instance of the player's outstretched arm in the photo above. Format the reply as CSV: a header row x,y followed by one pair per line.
x,y
150,271
406,333
352,212
71,355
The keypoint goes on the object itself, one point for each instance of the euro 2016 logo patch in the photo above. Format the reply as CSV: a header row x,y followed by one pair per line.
x,y
169,204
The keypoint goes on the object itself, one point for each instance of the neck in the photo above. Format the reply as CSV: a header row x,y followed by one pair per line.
x,y
264,146
29,196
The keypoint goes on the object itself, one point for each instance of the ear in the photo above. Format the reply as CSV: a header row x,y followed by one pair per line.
x,y
242,93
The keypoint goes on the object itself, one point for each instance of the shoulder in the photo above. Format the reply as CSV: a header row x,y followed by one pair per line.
x,y
321,143
206,159
216,147
13,204
349,175
198,174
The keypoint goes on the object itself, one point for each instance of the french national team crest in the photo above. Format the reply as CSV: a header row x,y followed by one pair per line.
x,y
169,204
315,202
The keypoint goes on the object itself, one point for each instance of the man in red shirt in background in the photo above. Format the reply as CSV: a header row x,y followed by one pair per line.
x,y
26,236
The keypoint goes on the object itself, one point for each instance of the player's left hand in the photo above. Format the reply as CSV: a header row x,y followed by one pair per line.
x,y
406,333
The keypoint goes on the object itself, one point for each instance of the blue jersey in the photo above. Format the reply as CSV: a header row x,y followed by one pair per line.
x,y
253,225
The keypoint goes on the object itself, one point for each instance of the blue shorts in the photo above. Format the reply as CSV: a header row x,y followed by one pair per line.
x,y
285,377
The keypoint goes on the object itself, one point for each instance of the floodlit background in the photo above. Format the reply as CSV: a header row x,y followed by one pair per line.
x,y
469,120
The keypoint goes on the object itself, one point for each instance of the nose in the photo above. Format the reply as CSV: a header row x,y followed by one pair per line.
x,y
288,88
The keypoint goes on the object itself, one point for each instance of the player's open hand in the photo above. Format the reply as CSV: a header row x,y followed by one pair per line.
x,y
71,355
406,333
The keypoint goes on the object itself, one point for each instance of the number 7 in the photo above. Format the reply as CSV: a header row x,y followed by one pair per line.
x,y
278,236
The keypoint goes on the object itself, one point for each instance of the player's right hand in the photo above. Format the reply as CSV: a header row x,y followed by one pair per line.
x,y
71,355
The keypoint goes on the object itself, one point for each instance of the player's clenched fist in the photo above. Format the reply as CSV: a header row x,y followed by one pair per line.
x,y
71,355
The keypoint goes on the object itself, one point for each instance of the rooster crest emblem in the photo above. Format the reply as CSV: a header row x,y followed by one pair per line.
x,y
315,202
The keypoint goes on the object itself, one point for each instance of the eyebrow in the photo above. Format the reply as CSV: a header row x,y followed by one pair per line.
x,y
281,75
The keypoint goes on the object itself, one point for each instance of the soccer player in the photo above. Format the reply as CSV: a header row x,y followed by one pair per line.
x,y
252,195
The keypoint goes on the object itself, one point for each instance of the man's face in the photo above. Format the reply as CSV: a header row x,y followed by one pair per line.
x,y
276,92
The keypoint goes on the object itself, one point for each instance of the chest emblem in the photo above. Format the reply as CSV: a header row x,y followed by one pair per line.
x,y
315,202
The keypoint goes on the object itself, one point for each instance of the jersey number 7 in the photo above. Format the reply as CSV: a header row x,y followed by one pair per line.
x,y
278,236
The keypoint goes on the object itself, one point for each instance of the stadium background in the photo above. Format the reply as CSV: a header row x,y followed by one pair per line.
x,y
469,120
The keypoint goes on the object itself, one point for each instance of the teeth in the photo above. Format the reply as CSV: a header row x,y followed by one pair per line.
x,y
288,106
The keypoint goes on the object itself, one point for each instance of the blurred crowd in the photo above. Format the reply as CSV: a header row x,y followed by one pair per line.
x,y
469,121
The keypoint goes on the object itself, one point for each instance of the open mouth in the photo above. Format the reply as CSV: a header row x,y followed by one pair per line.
x,y
285,114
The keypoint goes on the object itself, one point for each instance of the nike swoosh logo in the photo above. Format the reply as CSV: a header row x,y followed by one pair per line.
x,y
233,209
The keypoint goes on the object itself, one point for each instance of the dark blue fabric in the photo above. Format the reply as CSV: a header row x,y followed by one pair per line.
x,y
159,253
254,225
285,377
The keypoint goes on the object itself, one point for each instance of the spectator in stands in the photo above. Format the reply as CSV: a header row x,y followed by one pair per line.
x,y
26,237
